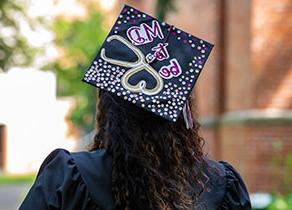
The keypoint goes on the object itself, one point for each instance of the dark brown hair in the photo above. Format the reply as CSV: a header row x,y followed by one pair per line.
x,y
155,162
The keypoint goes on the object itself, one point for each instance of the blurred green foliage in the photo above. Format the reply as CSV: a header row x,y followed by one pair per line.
x,y
16,179
79,41
163,7
283,162
281,202
14,48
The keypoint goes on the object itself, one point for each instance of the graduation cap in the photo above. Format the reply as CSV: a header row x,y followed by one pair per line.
x,y
149,63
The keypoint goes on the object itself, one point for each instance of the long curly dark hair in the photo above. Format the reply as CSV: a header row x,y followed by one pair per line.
x,y
155,162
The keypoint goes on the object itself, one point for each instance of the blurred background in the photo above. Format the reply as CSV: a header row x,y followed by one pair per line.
x,y
243,97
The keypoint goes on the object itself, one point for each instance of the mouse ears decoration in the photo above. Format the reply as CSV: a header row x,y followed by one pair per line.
x,y
149,63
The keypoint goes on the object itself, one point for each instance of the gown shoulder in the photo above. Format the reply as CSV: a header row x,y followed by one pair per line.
x,y
226,187
64,181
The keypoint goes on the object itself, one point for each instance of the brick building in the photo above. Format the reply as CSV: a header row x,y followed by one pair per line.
x,y
244,95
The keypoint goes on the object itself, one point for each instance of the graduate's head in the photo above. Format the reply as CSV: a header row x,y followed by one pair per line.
x,y
146,70
153,158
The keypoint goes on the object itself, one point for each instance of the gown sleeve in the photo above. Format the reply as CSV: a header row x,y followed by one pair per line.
x,y
58,185
236,195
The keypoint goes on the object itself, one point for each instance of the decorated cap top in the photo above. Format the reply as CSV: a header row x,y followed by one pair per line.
x,y
149,63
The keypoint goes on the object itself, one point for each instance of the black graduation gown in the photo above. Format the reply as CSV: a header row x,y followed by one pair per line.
x,y
82,181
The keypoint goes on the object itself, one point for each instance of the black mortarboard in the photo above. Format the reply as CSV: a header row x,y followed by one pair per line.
x,y
149,63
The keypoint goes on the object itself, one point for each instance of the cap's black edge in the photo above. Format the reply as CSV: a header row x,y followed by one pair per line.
x,y
198,75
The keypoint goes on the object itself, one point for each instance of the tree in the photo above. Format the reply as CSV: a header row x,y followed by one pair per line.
x,y
14,47
79,41
163,7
